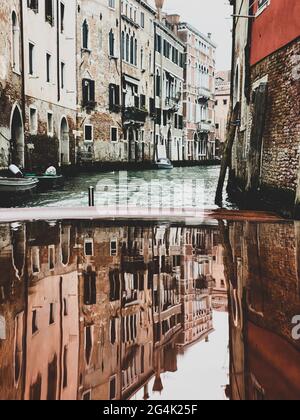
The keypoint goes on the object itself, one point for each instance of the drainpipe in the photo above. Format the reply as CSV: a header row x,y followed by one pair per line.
x,y
23,96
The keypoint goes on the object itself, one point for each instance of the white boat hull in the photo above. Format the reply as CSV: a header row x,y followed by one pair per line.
x,y
15,185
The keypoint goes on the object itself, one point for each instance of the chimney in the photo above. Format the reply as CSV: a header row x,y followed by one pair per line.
x,y
209,35
159,5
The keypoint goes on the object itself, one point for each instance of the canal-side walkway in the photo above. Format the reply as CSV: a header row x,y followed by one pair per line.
x,y
136,215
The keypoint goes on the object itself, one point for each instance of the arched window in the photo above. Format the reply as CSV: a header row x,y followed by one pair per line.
x,y
131,50
142,59
123,46
15,42
135,52
111,43
158,83
127,48
85,35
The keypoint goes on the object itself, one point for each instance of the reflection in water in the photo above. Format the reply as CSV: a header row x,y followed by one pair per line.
x,y
89,311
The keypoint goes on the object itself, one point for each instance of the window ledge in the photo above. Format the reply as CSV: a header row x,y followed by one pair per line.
x,y
86,50
262,9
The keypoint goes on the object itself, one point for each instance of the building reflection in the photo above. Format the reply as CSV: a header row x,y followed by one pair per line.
x,y
95,312
262,272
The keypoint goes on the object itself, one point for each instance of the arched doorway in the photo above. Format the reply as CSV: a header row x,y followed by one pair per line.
x,y
64,142
17,139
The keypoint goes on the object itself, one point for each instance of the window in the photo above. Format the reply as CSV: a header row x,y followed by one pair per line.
x,y
262,3
62,75
49,12
52,314
114,134
50,125
88,92
113,248
48,68
123,45
33,5
62,17
158,83
89,247
225,102
142,20
51,257
33,122
85,35
31,59
15,43
65,368
87,396
111,44
114,97
112,4
66,310
90,288
112,388
34,322
158,43
88,133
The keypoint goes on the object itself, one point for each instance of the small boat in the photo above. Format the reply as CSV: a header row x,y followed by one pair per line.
x,y
164,164
47,181
16,185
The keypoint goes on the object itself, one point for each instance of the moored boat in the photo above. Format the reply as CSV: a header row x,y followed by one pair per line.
x,y
47,181
164,164
17,185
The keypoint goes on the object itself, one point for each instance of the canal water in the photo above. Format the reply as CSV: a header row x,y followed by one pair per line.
x,y
94,311
181,187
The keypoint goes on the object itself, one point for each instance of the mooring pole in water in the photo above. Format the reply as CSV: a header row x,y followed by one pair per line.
x,y
91,197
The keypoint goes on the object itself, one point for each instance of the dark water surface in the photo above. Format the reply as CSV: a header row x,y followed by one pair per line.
x,y
101,312
183,187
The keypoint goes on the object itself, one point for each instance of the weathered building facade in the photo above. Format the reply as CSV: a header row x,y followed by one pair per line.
x,y
266,87
38,84
95,312
11,84
101,82
261,268
169,80
199,92
115,81
222,107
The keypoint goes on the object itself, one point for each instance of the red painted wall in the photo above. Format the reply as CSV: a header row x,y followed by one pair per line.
x,y
275,363
275,27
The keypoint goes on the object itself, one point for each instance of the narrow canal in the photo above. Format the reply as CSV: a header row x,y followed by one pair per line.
x,y
183,187
95,311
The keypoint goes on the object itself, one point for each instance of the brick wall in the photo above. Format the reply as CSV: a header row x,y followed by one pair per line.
x,y
282,130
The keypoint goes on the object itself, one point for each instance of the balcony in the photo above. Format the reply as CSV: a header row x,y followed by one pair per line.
x,y
204,95
172,104
205,126
89,105
135,114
